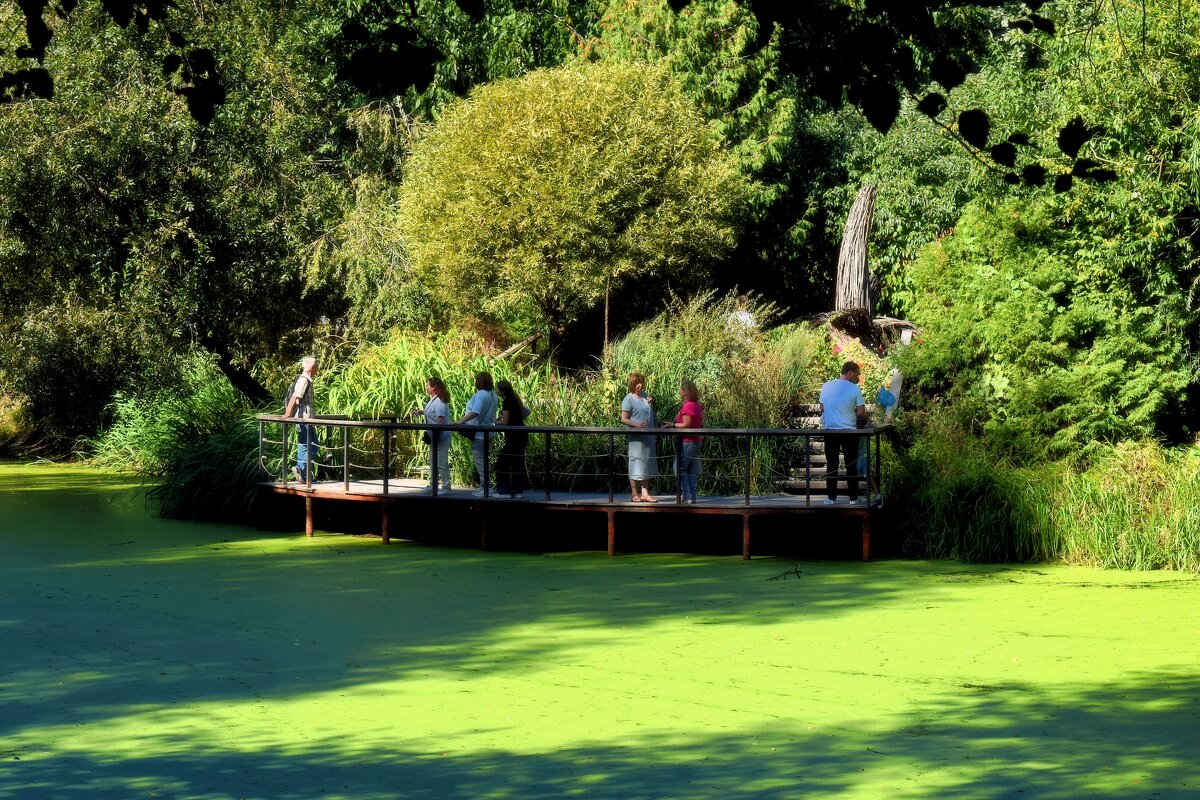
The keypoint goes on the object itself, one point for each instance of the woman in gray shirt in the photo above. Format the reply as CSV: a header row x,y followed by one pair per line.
x,y
637,411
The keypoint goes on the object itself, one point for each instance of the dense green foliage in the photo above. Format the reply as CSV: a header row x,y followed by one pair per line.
x,y
1059,320
115,203
194,438
1134,507
531,199
1049,359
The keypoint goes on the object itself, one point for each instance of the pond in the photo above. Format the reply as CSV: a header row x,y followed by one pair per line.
x,y
148,658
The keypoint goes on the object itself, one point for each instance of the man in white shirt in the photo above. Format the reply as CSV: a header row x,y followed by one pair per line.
x,y
301,402
842,405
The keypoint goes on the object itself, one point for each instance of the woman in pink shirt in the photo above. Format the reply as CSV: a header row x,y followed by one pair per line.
x,y
688,462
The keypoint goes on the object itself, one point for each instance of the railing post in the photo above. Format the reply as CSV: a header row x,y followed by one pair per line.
x,y
387,457
310,452
346,458
678,440
808,470
283,462
878,476
749,441
546,468
611,446
261,466
487,465
435,438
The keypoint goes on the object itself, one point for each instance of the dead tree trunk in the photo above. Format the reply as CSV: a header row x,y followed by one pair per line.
x,y
853,280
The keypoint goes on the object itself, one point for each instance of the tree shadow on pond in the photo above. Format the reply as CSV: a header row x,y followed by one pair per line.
x,y
1117,740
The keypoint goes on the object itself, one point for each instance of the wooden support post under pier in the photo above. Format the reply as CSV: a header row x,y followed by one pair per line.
x,y
745,537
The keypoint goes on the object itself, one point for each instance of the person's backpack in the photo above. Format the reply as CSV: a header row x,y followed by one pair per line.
x,y
291,390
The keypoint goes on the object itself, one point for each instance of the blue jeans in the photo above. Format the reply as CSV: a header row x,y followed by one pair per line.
x,y
689,469
306,451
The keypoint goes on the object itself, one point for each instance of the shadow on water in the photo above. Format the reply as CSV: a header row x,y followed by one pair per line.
x,y
998,742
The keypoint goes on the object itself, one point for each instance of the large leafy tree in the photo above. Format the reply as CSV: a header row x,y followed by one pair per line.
x,y
176,233
1061,318
533,197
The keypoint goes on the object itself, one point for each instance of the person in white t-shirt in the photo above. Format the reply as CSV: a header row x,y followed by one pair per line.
x,y
301,403
842,405
437,412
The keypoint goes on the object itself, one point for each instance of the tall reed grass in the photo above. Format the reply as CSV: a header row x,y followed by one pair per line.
x,y
1136,506
747,374
152,429
195,443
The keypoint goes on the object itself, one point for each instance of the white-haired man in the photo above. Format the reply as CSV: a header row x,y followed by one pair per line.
x,y
301,401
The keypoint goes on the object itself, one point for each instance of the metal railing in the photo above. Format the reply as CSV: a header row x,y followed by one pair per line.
x,y
773,461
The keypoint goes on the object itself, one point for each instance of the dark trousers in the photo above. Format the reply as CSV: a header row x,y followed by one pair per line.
x,y
845,444
511,477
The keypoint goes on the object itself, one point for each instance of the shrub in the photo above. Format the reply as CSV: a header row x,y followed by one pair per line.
x,y
1049,356
954,499
1134,507
195,439
68,361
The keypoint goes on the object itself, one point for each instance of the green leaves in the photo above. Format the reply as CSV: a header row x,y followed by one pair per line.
x,y
532,198
1036,332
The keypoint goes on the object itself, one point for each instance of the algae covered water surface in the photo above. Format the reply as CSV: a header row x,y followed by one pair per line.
x,y
146,658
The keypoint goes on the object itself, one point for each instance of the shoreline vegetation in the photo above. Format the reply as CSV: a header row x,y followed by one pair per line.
x,y
1129,506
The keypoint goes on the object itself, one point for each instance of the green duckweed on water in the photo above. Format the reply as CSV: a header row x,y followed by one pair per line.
x,y
148,658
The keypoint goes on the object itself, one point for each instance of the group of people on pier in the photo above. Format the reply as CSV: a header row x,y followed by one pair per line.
x,y
842,407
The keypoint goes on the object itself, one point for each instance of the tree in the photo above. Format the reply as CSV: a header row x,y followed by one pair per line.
x,y
114,198
1060,318
531,198
427,52
853,278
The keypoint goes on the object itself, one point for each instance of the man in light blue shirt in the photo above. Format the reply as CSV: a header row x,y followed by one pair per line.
x,y
842,405
481,410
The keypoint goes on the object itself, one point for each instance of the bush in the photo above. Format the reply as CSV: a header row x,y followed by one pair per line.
x,y
1135,507
15,425
954,498
1047,358
68,362
213,477
195,438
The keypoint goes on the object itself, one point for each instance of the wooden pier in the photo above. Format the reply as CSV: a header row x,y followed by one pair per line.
x,y
800,493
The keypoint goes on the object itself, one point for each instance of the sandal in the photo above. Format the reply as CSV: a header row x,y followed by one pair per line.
x,y
647,499
635,499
